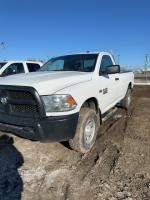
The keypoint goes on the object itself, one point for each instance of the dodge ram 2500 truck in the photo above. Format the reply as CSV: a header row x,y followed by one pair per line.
x,y
65,99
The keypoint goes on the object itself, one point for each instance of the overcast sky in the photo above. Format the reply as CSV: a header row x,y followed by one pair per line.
x,y
37,28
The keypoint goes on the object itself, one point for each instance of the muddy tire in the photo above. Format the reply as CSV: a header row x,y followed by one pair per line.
x,y
86,132
125,102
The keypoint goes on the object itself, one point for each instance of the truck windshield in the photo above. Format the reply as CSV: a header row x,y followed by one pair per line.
x,y
2,64
77,62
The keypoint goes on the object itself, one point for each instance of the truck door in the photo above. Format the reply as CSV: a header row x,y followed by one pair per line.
x,y
109,85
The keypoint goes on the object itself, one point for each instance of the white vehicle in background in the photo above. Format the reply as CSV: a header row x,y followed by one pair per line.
x,y
16,67
65,99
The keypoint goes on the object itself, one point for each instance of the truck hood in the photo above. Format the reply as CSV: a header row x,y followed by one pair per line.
x,y
47,82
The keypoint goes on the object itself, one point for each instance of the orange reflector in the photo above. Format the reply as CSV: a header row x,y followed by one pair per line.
x,y
70,100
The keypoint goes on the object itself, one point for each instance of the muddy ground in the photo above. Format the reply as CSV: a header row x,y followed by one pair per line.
x,y
117,167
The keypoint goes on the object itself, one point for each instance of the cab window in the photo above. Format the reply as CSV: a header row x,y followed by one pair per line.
x,y
106,61
33,67
15,68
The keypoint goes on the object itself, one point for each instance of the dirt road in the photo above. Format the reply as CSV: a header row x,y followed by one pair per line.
x,y
117,167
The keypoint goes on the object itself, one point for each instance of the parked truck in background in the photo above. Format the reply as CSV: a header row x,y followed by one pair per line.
x,y
65,99
16,67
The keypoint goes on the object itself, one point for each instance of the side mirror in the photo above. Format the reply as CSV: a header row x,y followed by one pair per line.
x,y
111,69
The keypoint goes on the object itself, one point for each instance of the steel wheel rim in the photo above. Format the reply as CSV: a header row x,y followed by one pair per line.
x,y
89,130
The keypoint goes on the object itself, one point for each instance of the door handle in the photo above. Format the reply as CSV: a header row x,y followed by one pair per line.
x,y
116,79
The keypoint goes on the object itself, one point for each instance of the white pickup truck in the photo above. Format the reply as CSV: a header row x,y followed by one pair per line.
x,y
16,67
65,99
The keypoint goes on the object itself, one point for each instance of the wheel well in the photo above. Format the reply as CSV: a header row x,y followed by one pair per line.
x,y
93,103
130,86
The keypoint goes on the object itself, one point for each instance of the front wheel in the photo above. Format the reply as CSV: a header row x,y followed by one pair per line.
x,y
125,102
86,132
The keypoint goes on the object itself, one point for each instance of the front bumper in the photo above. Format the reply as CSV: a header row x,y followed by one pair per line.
x,y
49,129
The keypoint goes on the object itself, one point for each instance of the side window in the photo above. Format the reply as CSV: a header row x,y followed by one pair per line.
x,y
32,67
15,68
106,61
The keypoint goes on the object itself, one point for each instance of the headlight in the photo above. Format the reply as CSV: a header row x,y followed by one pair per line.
x,y
59,103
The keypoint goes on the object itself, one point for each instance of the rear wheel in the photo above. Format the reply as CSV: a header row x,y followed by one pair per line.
x,y
86,132
125,102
